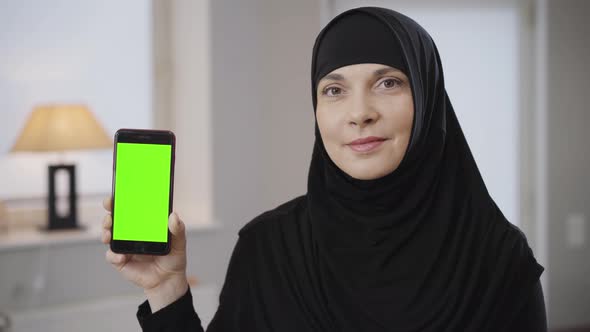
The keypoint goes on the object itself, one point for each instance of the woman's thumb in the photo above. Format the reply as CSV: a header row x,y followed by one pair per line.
x,y
177,229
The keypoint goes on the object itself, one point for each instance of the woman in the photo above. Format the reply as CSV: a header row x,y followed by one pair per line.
x,y
397,231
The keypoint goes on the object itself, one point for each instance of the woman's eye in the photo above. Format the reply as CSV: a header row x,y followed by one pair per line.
x,y
332,91
390,83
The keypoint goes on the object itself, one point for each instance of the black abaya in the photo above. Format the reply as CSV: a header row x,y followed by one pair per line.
x,y
258,262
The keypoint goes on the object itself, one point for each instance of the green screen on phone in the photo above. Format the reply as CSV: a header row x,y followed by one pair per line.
x,y
142,190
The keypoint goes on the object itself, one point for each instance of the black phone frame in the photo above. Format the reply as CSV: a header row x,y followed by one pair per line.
x,y
145,136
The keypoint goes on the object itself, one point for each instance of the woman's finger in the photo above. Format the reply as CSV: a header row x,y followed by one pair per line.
x,y
107,203
107,222
177,229
106,236
116,259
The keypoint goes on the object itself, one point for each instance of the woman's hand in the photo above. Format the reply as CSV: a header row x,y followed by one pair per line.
x,y
163,278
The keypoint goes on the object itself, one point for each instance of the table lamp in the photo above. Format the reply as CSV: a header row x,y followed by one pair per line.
x,y
55,128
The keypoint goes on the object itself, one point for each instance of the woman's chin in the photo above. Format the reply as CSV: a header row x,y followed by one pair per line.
x,y
369,173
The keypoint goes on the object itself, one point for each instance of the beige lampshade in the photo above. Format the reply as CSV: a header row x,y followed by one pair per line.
x,y
61,128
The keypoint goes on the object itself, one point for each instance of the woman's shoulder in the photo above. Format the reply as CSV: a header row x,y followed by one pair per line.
x,y
290,208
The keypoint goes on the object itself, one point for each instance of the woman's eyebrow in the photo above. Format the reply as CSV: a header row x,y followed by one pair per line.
x,y
334,77
386,70
378,72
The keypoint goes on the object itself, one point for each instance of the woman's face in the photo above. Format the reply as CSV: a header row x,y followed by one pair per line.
x,y
365,114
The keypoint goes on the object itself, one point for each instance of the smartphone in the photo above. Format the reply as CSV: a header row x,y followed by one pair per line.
x,y
142,191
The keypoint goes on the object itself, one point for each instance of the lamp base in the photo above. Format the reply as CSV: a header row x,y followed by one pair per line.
x,y
67,221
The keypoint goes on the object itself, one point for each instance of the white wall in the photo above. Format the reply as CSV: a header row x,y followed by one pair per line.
x,y
568,161
94,52
184,73
261,113
288,118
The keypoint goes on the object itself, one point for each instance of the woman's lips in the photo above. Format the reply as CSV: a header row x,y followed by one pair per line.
x,y
367,144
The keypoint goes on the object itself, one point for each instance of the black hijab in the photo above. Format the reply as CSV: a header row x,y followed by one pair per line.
x,y
424,248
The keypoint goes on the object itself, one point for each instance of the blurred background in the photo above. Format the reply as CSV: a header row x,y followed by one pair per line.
x,y
232,80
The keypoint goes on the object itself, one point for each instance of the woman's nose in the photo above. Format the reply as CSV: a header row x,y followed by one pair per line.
x,y
362,112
